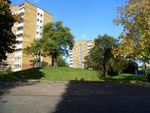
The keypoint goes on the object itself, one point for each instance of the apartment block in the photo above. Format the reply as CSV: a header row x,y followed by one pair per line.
x,y
77,54
28,28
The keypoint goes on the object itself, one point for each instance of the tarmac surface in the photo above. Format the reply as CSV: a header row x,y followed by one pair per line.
x,y
73,97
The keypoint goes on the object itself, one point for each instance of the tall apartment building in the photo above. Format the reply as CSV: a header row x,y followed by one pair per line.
x,y
77,54
26,30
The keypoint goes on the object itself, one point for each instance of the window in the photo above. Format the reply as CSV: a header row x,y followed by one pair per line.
x,y
9,60
41,21
17,58
21,28
21,8
14,25
149,62
37,26
38,20
41,15
12,59
17,66
37,33
38,14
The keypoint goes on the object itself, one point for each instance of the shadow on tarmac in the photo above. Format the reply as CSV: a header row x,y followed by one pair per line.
x,y
102,97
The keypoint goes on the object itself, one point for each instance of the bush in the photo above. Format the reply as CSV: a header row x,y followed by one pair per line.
x,y
148,74
8,70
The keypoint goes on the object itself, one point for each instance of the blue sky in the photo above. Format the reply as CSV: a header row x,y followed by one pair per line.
x,y
86,18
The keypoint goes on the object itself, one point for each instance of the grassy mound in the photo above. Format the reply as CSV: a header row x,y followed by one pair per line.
x,y
68,74
53,73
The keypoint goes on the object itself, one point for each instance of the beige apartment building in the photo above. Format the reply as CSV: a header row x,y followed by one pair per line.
x,y
77,54
27,29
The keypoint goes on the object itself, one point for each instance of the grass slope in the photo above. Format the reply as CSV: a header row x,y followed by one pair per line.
x,y
68,74
125,77
53,73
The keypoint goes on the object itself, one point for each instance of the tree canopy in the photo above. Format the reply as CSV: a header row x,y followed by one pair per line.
x,y
101,54
61,62
56,40
134,16
7,38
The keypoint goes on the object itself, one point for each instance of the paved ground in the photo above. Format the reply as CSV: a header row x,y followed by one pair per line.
x,y
19,97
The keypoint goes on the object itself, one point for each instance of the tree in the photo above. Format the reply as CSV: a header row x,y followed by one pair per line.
x,y
36,51
8,39
56,40
119,64
135,18
101,53
61,62
131,67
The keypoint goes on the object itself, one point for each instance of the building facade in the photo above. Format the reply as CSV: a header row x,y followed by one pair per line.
x,y
79,52
27,29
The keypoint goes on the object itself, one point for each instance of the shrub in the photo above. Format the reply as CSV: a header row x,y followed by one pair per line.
x,y
148,74
8,70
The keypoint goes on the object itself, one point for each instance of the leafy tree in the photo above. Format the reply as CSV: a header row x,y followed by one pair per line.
x,y
89,64
56,40
8,39
134,16
131,67
101,53
35,50
119,64
61,62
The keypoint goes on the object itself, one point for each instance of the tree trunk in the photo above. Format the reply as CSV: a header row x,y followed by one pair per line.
x,y
145,66
105,70
54,60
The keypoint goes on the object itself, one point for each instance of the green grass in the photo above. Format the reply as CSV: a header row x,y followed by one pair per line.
x,y
68,74
53,74
125,77
1,73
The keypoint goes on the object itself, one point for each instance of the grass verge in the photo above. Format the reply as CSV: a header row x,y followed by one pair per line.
x,y
69,74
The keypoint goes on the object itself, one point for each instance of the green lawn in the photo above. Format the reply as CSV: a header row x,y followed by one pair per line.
x,y
68,74
125,77
53,73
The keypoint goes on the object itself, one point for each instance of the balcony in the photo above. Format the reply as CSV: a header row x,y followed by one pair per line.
x,y
71,64
21,12
19,53
19,61
71,56
71,53
19,46
20,25
20,32
17,67
71,60
19,39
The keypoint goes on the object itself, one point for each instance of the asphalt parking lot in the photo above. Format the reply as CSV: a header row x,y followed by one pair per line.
x,y
73,97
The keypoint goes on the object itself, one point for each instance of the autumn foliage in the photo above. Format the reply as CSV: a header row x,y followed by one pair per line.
x,y
134,16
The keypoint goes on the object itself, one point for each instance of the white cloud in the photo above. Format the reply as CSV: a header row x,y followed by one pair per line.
x,y
36,1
